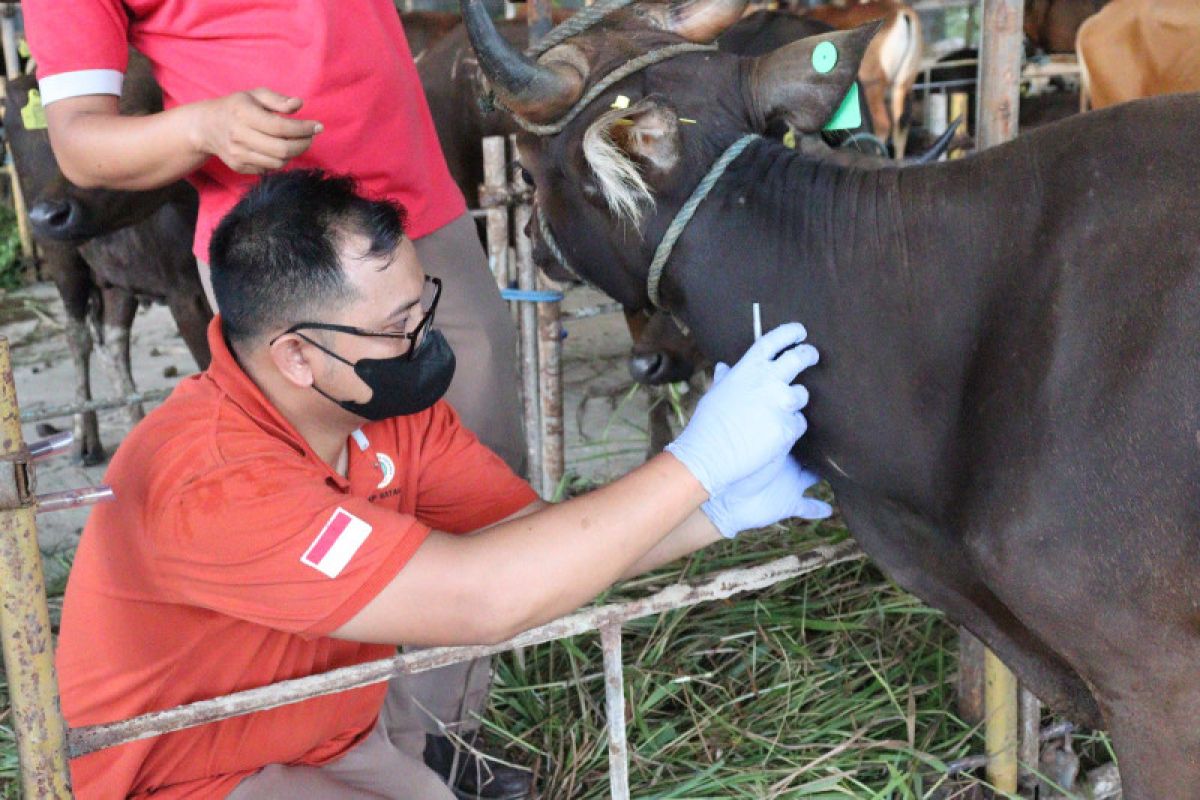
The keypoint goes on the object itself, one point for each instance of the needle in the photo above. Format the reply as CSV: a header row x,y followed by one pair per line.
x,y
757,322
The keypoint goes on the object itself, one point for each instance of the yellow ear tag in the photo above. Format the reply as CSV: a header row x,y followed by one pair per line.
x,y
33,114
621,102
789,139
23,48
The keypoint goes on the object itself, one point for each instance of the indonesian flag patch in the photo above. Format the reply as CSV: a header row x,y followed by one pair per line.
x,y
337,543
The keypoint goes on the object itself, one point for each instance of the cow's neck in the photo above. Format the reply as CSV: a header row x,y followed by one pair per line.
x,y
896,306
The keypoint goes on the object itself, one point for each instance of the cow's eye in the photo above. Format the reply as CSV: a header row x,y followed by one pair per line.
x,y
527,176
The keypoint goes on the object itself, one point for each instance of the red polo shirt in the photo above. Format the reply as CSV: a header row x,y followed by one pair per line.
x,y
230,553
347,59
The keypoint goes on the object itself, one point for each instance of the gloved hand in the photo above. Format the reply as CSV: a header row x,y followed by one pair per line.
x,y
751,415
773,493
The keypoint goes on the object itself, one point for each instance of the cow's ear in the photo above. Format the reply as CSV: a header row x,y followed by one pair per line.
x,y
630,150
649,133
806,81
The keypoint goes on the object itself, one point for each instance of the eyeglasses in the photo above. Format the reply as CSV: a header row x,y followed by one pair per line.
x,y
428,303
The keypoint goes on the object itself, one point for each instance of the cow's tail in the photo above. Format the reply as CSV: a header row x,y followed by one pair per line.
x,y
900,58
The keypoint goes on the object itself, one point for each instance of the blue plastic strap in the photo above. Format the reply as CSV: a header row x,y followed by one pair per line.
x,y
531,296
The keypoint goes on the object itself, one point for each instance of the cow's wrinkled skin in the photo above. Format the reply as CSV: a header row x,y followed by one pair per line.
x,y
1007,405
106,249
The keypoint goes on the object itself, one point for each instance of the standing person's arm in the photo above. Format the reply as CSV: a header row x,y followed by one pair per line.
x,y
96,146
81,48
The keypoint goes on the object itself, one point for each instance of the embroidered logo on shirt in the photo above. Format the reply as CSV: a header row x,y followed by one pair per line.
x,y
387,467
337,542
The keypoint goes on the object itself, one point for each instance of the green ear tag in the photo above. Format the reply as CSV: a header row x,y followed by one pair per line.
x,y
824,57
23,48
849,113
33,114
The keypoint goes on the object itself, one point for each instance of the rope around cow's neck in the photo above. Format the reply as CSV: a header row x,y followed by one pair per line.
x,y
662,253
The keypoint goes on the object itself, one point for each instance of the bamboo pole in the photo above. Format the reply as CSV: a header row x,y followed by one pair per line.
x,y
12,69
717,587
999,105
40,730
550,391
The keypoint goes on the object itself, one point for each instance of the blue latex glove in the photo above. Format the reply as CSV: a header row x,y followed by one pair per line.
x,y
773,493
751,415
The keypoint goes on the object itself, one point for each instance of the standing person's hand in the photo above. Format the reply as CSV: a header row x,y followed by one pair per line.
x,y
751,415
250,131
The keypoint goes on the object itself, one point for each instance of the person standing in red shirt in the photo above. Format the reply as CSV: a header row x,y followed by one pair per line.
x,y
310,501
251,86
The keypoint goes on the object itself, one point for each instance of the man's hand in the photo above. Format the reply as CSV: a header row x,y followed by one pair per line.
x,y
773,493
250,132
751,415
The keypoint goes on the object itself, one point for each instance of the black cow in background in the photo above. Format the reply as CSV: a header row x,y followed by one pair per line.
x,y
106,249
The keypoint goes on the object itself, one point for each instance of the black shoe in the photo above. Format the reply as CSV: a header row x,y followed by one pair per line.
x,y
476,778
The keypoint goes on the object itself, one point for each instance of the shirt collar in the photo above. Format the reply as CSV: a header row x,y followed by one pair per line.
x,y
240,388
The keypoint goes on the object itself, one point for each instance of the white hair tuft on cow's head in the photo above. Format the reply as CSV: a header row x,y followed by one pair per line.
x,y
620,178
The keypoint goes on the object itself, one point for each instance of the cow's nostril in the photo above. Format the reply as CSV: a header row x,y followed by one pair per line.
x,y
646,368
56,215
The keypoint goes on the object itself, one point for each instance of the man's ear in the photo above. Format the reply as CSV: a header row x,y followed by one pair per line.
x,y
629,149
289,355
805,82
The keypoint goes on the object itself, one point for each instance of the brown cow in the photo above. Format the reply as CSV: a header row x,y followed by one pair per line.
x,y
1051,25
1139,48
889,68
105,250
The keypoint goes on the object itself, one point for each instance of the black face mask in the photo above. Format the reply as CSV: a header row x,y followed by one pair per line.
x,y
405,384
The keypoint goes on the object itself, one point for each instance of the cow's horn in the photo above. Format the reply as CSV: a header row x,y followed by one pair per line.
x,y
704,20
805,81
538,92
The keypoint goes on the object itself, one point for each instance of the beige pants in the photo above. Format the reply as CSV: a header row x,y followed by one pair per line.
x,y
479,327
388,763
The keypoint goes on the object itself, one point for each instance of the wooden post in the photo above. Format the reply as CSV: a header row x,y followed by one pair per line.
x,y
527,330
999,105
614,710
495,182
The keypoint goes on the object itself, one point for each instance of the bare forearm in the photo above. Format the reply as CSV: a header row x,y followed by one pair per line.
x,y
531,569
695,533
100,148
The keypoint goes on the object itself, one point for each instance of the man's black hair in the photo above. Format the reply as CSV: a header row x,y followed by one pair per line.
x,y
274,256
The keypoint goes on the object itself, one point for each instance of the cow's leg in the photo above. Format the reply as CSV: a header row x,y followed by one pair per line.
x,y
190,310
120,306
73,279
937,567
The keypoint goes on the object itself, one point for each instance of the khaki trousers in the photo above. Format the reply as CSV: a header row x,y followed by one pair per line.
x,y
388,763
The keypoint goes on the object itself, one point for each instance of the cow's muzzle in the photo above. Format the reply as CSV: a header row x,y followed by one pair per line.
x,y
64,220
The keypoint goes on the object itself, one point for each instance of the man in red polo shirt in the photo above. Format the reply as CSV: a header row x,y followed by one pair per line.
x,y
309,502
364,113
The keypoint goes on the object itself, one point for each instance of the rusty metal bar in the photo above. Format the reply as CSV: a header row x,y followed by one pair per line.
x,y
24,619
527,328
73,498
1029,748
614,709
496,225
51,446
40,413
550,391
682,595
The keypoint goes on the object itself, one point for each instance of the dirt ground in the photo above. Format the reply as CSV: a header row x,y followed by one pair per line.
x,y
598,391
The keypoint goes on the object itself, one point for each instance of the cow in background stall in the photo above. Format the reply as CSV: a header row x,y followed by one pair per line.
x,y
106,250
1007,405
1051,25
1139,48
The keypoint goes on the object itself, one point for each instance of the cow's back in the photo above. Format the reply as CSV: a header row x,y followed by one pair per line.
x,y
1140,48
